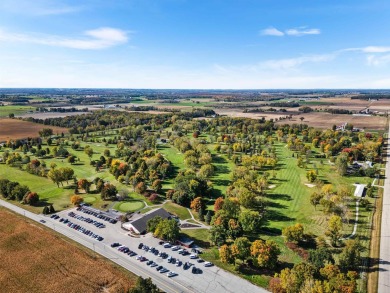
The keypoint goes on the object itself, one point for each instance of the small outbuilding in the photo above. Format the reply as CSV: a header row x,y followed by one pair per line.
x,y
359,191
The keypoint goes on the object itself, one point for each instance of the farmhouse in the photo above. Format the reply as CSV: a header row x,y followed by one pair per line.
x,y
139,225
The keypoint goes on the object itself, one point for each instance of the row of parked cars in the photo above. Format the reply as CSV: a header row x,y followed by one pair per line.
x,y
88,220
81,229
97,215
194,253
173,260
123,249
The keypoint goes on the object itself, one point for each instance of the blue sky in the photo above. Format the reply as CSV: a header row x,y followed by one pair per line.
x,y
211,44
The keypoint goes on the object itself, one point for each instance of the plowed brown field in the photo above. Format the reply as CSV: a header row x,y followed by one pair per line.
x,y
17,129
33,259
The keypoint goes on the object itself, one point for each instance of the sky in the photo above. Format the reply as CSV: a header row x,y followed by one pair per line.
x,y
195,44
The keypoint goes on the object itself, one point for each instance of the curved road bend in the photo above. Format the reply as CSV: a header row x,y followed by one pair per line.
x,y
222,281
384,256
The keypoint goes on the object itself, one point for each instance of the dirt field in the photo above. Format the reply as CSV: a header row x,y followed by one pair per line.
x,y
17,129
35,260
327,120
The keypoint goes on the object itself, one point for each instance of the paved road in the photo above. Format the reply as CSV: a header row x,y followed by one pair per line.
x,y
213,279
384,256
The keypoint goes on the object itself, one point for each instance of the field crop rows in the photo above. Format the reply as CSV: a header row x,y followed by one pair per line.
x,y
57,267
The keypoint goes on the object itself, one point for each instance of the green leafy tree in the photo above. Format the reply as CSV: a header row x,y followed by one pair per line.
x,y
152,224
208,217
315,198
109,192
241,248
293,233
168,230
342,164
311,175
335,226
45,132
320,257
88,151
144,286
201,214
56,176
218,234
350,256
250,220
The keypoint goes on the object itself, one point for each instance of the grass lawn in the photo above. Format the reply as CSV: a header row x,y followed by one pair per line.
x,y
14,109
177,210
130,206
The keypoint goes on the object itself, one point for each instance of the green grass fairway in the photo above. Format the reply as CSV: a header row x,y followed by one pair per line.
x,y
89,199
130,206
177,210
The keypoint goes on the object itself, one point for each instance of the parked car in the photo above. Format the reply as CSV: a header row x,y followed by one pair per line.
x,y
171,274
208,264
193,256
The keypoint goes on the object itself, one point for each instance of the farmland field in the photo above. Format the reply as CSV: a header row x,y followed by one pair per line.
x,y
324,120
58,267
14,109
17,129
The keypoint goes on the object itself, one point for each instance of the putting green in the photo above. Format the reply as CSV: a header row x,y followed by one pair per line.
x,y
130,206
89,199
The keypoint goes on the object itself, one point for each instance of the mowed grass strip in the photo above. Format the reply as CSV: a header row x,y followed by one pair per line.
x,y
36,260
177,210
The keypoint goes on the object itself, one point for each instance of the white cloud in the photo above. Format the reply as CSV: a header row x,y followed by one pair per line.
x,y
291,63
302,32
372,49
374,60
100,38
37,7
271,31
296,32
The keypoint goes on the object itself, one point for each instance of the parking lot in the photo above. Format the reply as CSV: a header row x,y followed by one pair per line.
x,y
184,268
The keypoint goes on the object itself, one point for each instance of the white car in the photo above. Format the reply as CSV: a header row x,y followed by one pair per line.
x,y
175,248
167,245
193,256
138,257
171,274
208,264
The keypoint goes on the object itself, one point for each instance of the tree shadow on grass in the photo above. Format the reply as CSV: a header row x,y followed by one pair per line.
x,y
218,160
222,169
270,231
41,203
281,196
276,205
276,216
